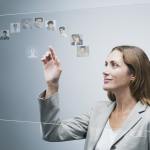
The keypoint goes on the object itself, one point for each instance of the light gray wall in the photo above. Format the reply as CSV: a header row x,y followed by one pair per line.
x,y
81,80
27,6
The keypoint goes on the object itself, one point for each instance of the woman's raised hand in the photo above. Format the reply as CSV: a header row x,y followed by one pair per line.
x,y
52,67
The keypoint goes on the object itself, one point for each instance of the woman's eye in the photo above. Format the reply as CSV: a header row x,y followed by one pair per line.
x,y
115,65
111,64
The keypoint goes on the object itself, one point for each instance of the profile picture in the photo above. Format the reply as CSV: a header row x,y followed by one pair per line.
x,y
27,23
15,27
76,39
82,51
39,22
50,25
4,35
62,31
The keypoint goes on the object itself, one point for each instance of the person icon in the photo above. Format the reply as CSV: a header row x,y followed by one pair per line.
x,y
4,35
62,31
33,53
76,39
51,25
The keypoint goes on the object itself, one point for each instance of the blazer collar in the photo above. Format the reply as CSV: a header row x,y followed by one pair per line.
x,y
103,115
134,117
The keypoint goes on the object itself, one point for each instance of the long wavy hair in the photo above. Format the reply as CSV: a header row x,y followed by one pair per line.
x,y
139,65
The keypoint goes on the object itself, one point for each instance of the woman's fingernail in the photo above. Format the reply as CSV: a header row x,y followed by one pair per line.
x,y
50,46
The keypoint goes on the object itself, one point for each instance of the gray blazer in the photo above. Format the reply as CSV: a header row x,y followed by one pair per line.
x,y
134,134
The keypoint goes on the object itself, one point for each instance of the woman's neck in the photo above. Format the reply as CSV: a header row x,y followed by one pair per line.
x,y
124,101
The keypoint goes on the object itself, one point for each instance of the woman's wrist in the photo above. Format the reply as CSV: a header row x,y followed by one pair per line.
x,y
52,88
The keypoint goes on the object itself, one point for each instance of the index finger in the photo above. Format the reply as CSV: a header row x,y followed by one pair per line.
x,y
52,53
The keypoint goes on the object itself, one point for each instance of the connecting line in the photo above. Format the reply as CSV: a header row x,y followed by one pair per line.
x,y
21,121
37,122
24,13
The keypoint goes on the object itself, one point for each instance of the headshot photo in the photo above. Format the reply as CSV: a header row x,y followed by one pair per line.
x,y
76,39
4,35
82,51
27,23
39,22
15,27
62,31
50,25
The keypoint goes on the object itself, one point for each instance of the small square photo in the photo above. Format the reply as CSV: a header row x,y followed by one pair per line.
x,y
39,22
15,27
50,25
76,39
27,23
4,35
62,31
82,51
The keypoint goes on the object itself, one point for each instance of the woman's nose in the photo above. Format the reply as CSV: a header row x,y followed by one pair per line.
x,y
106,71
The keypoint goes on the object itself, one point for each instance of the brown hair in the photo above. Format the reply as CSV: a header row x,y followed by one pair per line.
x,y
139,65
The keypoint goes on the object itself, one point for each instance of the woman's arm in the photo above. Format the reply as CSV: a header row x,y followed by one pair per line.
x,y
55,130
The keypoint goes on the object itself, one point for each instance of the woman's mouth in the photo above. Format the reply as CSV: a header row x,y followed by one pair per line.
x,y
106,80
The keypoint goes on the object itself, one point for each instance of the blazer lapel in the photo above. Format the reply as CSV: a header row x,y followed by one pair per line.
x,y
133,118
99,123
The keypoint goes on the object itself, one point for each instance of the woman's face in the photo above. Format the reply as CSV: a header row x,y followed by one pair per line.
x,y
116,74
75,38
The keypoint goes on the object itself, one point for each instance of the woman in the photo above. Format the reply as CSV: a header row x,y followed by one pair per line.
x,y
121,123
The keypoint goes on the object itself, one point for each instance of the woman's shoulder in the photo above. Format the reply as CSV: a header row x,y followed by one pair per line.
x,y
103,103
147,114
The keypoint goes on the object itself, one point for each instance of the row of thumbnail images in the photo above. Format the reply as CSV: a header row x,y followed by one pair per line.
x,y
50,25
82,51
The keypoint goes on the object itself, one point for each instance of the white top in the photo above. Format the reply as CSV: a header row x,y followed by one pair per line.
x,y
107,138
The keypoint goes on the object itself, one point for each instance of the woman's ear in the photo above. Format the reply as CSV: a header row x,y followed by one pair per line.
x,y
133,78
